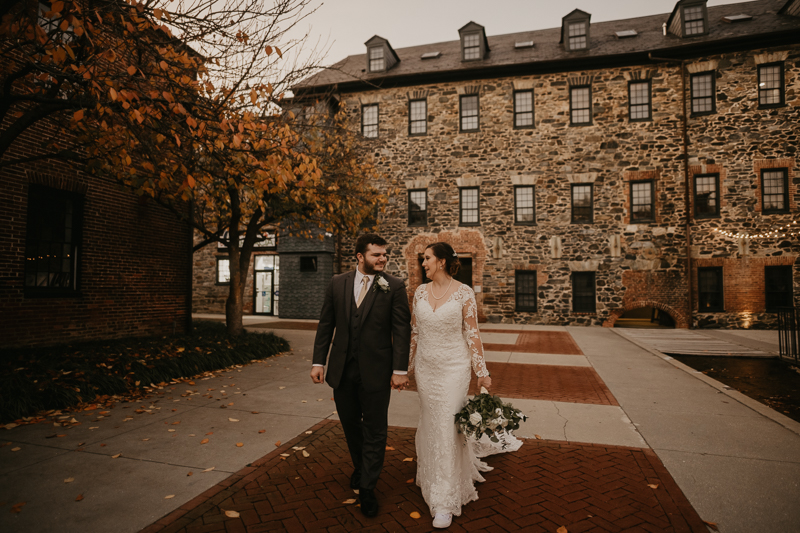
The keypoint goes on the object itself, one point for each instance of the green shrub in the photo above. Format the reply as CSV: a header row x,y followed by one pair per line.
x,y
59,377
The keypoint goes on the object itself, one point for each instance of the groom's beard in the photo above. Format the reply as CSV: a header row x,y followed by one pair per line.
x,y
372,268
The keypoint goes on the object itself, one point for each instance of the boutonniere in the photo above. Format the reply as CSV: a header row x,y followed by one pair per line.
x,y
381,283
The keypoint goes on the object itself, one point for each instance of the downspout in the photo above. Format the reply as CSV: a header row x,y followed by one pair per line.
x,y
686,187
190,271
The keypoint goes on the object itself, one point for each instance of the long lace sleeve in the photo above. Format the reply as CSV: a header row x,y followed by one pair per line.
x,y
414,334
469,312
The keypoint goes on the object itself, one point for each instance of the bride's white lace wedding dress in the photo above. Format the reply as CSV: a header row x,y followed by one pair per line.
x,y
445,347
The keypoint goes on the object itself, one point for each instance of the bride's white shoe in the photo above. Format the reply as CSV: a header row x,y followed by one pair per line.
x,y
441,521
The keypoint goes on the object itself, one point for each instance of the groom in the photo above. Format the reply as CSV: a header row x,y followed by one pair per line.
x,y
368,310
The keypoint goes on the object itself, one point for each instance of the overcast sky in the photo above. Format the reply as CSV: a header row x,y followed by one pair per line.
x,y
345,25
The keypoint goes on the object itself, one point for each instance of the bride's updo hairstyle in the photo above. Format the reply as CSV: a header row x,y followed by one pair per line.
x,y
442,250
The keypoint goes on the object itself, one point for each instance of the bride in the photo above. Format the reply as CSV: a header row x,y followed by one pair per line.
x,y
445,347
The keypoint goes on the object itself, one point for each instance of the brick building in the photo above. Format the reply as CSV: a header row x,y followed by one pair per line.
x,y
592,170
83,259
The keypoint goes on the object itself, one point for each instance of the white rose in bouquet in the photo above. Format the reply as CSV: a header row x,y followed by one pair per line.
x,y
475,419
498,411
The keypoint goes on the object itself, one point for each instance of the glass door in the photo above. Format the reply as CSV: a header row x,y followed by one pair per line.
x,y
266,284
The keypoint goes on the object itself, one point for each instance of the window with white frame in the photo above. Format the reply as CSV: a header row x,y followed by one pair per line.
x,y
417,117
580,105
523,109
369,121
470,112
469,206
770,85
703,93
639,100
472,46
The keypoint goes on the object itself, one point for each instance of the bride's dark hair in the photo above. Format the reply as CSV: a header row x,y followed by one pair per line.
x,y
442,250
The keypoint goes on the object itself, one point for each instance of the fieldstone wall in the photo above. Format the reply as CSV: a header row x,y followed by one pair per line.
x,y
628,259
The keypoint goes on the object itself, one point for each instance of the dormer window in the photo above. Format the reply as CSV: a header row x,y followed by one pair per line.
x,y
693,22
376,61
380,55
575,30
689,18
577,36
474,45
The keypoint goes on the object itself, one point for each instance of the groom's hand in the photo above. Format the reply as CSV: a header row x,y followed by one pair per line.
x,y
317,374
399,381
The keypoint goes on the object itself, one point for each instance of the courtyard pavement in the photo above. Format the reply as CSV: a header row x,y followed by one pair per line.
x,y
620,437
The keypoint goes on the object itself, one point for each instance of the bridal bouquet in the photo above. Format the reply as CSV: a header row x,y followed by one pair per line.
x,y
487,415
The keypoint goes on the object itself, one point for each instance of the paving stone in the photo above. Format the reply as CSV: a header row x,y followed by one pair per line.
x,y
541,487
558,342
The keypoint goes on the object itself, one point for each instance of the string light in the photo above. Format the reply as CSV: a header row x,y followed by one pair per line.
x,y
780,232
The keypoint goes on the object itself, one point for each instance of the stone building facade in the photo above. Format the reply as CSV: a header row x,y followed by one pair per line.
x,y
595,169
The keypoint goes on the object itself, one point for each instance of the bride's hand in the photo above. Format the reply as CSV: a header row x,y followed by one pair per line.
x,y
485,382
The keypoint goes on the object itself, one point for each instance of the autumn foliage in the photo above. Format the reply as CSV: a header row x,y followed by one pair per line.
x,y
184,103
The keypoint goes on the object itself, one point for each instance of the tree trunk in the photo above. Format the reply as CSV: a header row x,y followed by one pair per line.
x,y
234,306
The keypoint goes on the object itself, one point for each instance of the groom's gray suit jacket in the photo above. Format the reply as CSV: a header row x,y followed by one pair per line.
x,y
376,335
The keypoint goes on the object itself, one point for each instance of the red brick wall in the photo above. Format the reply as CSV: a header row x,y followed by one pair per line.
x,y
664,290
134,276
742,281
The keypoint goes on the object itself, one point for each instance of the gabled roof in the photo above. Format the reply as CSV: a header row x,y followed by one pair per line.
x,y
767,28
574,14
377,39
471,26
679,4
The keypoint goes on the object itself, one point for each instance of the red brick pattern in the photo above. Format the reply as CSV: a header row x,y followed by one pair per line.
x,y
541,487
573,384
648,288
558,342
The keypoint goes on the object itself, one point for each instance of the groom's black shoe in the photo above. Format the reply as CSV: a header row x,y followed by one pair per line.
x,y
355,480
369,503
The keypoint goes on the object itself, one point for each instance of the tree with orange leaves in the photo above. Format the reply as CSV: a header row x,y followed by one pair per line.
x,y
182,102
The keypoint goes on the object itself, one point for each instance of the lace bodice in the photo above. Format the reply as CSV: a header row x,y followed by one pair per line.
x,y
458,313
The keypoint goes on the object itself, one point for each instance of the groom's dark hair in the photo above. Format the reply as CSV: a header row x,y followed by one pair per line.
x,y
367,239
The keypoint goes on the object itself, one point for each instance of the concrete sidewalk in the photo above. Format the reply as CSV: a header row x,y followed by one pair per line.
x,y
737,461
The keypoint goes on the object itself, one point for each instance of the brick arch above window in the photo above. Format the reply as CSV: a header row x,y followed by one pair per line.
x,y
64,183
463,241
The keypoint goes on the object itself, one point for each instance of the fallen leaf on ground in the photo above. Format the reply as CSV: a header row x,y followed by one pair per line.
x,y
16,449
285,455
169,496
210,433
408,459
209,469
319,399
115,456
350,501
279,388
303,401
171,430
305,453
69,480
60,436
190,474
79,498
415,515
298,448
11,426
262,430
230,403
389,448
538,437
17,507
102,445
231,514
278,443
239,444
562,529
410,480
712,525
204,441
145,439
652,486
233,420
309,432
252,412
176,422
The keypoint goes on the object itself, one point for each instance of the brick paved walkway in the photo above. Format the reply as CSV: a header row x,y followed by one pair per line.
x,y
541,487
557,342
574,384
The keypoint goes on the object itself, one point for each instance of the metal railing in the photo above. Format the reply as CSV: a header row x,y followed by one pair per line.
x,y
789,334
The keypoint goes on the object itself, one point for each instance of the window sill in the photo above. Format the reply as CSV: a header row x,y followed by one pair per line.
x,y
49,294
469,224
772,106
583,313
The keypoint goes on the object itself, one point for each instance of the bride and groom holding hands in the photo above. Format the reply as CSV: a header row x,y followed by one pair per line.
x,y
375,341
